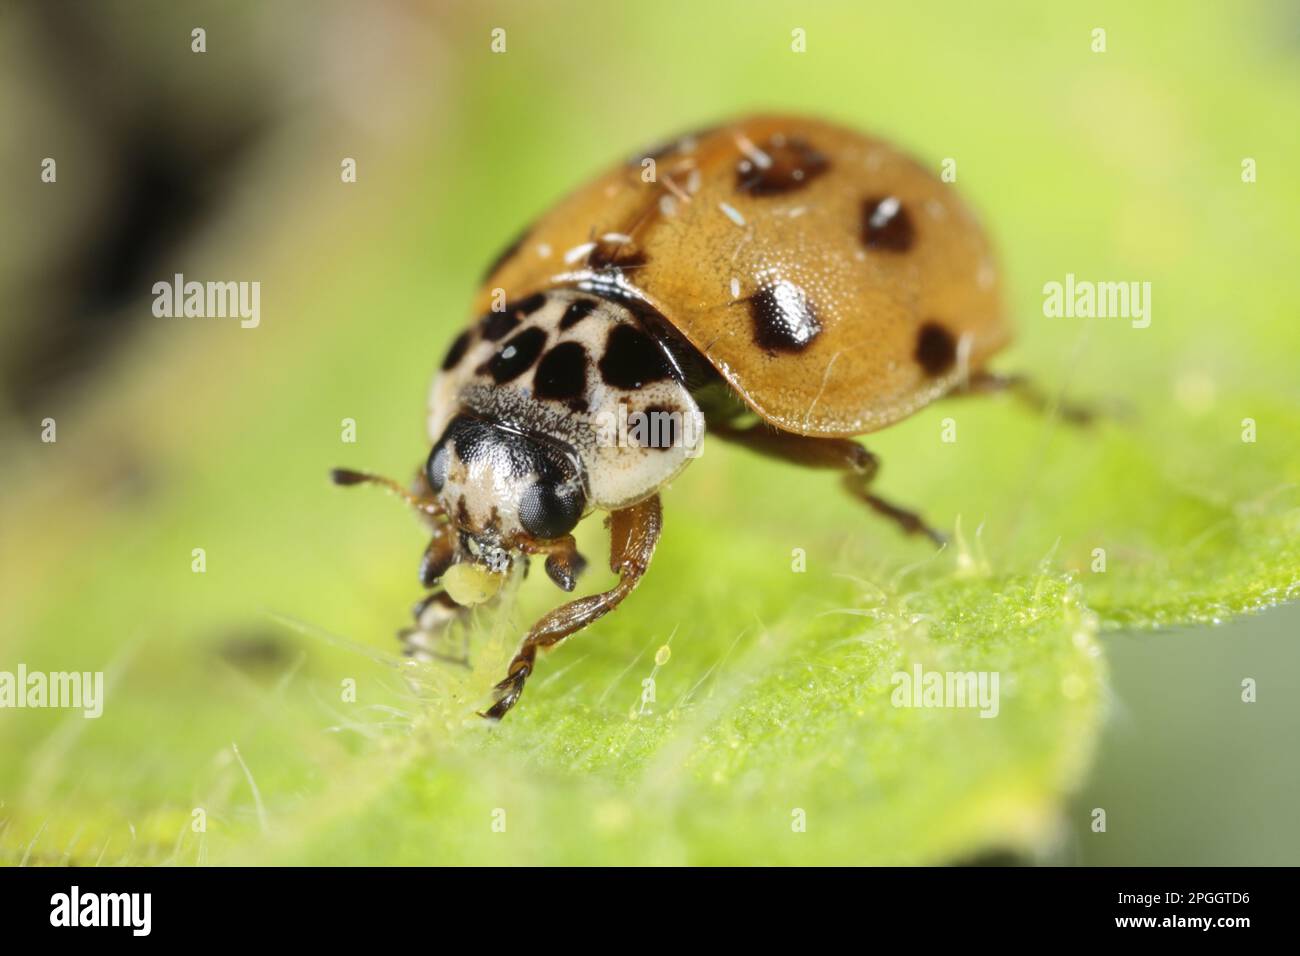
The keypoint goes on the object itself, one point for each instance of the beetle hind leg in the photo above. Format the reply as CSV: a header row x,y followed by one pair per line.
x,y
841,454
858,484
1029,393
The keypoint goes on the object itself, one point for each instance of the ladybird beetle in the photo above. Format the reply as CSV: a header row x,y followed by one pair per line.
x,y
787,283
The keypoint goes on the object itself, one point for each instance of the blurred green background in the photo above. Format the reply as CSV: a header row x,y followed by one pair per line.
x,y
175,434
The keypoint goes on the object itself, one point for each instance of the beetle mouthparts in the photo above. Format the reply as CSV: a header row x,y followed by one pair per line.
x,y
470,584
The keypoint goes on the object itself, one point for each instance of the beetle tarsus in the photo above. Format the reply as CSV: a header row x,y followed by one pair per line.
x,y
909,521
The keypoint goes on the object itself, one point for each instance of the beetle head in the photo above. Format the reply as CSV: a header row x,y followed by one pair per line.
x,y
501,487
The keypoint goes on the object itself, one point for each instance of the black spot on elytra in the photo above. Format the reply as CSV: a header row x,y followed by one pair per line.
x,y
784,319
886,225
674,145
792,164
632,359
562,373
936,350
457,351
516,356
576,312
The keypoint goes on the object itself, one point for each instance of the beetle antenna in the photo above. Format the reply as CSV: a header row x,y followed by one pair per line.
x,y
347,477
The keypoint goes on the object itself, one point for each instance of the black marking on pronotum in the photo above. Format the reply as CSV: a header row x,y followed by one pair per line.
x,y
527,305
662,425
497,325
562,374
790,164
784,319
936,350
886,225
686,365
578,310
457,351
632,359
516,355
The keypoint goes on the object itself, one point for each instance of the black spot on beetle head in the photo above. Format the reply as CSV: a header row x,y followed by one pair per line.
x,y
784,319
469,439
936,350
886,225
782,165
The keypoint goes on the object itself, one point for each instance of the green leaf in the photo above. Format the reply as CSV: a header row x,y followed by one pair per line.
x,y
765,745
774,706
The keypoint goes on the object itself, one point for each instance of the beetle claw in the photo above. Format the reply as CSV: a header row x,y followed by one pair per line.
x,y
513,687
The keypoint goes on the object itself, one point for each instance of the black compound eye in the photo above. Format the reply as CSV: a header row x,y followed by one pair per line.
x,y
436,469
548,510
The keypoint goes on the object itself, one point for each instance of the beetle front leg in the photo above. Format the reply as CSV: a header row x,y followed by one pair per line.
x,y
434,615
634,532
564,563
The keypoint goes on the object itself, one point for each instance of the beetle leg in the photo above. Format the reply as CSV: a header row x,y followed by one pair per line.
x,y
841,454
435,615
563,561
438,556
633,534
435,612
1024,388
